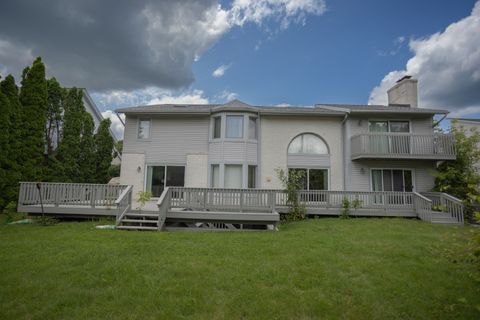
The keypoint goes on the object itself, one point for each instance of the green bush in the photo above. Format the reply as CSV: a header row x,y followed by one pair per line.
x,y
45,220
11,213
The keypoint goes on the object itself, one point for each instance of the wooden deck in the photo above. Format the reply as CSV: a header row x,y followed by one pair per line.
x,y
226,206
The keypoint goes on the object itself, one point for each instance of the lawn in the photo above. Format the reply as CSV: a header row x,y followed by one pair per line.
x,y
324,268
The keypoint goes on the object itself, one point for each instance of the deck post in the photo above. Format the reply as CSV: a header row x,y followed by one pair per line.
x,y
57,195
241,200
92,196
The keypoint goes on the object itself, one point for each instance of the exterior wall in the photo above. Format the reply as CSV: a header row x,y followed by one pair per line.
x,y
196,171
359,124
130,175
171,139
360,176
277,133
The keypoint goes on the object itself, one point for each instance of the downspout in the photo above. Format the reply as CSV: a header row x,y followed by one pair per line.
x,y
344,143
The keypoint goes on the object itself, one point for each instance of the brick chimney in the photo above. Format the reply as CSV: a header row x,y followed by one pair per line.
x,y
404,92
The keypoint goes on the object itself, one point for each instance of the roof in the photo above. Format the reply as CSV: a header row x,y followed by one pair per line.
x,y
465,119
237,105
95,112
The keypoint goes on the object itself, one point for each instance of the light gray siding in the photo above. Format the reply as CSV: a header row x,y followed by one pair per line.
x,y
308,161
233,152
171,138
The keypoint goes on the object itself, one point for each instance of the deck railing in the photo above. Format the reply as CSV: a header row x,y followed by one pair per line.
x,y
74,195
403,145
124,203
443,202
164,204
423,207
261,200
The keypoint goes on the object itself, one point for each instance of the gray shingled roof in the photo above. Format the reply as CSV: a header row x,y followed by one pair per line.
x,y
236,105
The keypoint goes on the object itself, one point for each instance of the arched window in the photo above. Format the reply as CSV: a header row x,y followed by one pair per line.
x,y
307,143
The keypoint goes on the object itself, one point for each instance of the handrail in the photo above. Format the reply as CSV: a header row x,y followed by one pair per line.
x,y
122,195
123,203
423,206
448,204
163,204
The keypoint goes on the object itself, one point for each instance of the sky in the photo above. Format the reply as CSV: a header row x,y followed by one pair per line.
x,y
264,52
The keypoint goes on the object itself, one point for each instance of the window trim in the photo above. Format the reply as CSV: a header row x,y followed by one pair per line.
x,y
248,128
149,138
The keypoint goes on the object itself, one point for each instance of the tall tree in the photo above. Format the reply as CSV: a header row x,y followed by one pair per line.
x,y
10,90
33,96
461,177
104,151
68,153
54,115
87,150
4,146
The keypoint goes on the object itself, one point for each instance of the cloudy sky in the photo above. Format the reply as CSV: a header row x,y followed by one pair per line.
x,y
271,52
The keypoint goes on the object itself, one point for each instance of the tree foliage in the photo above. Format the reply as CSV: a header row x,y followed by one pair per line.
x,y
103,151
460,177
292,182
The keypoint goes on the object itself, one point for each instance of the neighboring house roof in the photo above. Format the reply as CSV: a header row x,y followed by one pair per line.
x,y
466,119
318,109
92,108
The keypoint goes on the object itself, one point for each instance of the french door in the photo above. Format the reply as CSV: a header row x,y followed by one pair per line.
x,y
399,144
400,180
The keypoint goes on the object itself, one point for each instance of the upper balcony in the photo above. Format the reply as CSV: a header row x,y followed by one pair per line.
x,y
403,146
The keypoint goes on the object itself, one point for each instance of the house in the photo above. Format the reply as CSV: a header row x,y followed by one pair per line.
x,y
215,165
236,145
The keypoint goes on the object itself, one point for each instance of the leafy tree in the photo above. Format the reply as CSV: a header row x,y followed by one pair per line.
x,y
56,96
87,150
68,153
4,145
460,177
103,151
12,127
33,96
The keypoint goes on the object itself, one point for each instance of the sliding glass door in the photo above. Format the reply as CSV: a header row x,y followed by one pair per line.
x,y
400,180
159,177
313,179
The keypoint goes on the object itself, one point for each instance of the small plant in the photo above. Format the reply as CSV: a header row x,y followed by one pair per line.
x,y
45,221
439,208
345,214
347,204
143,198
11,213
292,183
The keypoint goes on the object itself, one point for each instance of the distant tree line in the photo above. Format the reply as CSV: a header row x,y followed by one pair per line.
x,y
47,135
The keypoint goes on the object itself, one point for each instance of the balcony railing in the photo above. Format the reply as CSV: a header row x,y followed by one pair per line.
x,y
403,146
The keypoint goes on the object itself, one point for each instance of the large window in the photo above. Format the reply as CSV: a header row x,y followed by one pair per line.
x,y
392,180
252,128
233,176
159,177
313,179
217,127
234,127
389,126
144,129
307,144
397,143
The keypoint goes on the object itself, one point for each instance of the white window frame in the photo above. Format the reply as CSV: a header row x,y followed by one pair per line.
x,y
242,137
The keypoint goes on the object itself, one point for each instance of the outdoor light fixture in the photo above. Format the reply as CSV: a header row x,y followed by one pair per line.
x,y
139,169
362,170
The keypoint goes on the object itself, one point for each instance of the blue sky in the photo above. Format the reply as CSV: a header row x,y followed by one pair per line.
x,y
263,52
337,57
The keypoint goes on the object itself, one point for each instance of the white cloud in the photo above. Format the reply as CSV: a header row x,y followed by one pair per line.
x,y
220,71
116,126
225,96
192,97
447,66
13,55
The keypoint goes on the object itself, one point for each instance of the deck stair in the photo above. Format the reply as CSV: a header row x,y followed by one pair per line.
x,y
138,220
443,218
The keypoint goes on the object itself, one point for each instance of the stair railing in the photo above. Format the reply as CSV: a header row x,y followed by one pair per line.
x,y
448,204
423,206
123,203
163,205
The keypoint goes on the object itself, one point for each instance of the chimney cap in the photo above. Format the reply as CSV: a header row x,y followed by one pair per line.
x,y
404,78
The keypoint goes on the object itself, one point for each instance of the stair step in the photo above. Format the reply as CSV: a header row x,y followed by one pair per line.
x,y
131,214
137,228
139,221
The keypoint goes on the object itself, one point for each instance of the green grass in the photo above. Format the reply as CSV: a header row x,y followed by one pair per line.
x,y
324,268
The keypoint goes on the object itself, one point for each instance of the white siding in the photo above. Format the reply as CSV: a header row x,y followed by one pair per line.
x,y
130,175
233,152
196,171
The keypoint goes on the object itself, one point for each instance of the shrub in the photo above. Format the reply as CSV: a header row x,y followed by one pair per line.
x,y
292,183
11,212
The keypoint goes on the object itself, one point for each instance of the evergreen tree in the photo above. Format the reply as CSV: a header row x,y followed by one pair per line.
x,y
104,151
33,96
87,150
13,125
54,115
4,147
68,153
